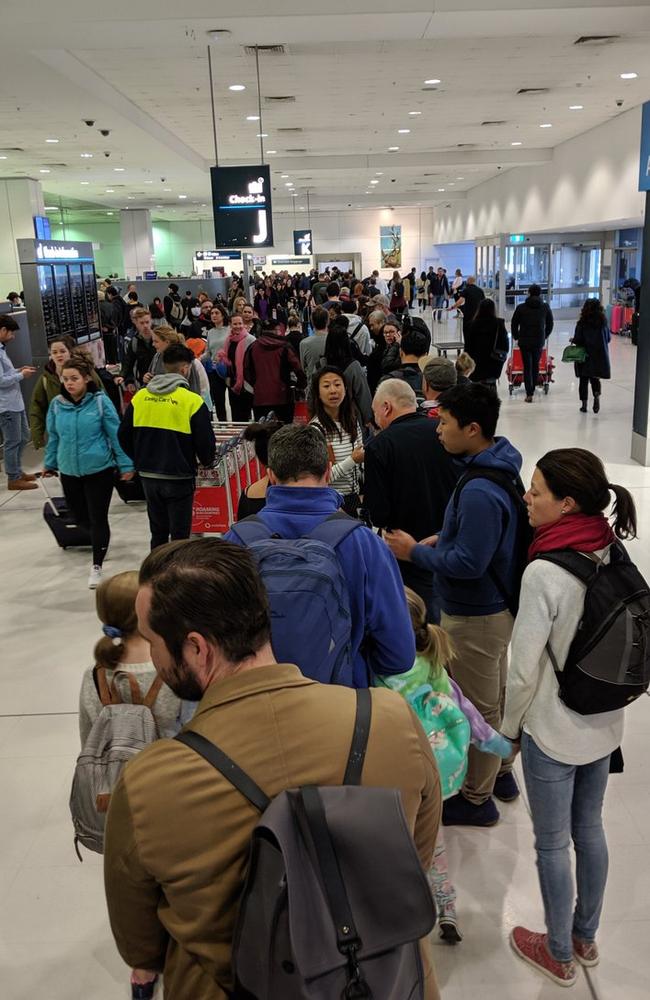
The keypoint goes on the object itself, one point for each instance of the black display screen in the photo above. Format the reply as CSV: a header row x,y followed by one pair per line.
x,y
90,295
46,288
302,243
77,294
63,302
241,202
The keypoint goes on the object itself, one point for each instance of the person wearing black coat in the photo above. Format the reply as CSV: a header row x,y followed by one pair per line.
x,y
592,333
487,343
531,326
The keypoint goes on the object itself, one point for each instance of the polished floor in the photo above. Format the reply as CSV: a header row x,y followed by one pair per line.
x,y
55,941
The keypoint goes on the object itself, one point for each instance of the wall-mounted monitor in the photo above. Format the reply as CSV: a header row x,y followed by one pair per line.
x,y
42,229
241,202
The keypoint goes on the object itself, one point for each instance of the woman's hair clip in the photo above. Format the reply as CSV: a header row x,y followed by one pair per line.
x,y
113,633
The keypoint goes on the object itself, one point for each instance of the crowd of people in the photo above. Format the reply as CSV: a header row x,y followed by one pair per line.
x,y
389,544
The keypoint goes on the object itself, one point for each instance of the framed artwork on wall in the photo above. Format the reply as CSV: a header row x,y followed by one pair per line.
x,y
390,246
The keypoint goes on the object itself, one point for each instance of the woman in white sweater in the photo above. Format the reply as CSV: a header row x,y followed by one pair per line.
x,y
336,416
565,755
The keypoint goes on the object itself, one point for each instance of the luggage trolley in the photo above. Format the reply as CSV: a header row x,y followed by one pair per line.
x,y
515,371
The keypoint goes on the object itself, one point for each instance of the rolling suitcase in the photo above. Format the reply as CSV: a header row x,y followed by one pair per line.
x,y
61,523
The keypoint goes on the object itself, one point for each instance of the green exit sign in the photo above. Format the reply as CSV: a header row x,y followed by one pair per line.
x,y
517,238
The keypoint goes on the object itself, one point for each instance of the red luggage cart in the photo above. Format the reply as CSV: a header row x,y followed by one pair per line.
x,y
515,371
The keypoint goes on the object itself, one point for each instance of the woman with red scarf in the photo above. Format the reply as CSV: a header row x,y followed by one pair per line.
x,y
565,756
230,364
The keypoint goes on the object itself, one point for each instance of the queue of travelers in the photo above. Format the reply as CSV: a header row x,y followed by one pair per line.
x,y
418,601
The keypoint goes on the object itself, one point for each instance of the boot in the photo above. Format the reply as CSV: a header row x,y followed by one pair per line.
x,y
597,403
21,484
583,406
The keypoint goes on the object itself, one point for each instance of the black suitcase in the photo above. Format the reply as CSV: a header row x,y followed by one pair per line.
x,y
62,524
130,491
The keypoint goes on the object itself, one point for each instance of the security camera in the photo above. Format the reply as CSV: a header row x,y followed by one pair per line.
x,y
105,131
163,179
107,152
619,103
89,122
499,168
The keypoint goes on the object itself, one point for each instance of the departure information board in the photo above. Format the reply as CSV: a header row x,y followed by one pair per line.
x,y
60,290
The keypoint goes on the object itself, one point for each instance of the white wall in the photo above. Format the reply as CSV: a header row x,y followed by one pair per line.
x,y
592,180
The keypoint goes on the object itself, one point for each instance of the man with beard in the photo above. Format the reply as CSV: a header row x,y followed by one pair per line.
x,y
177,832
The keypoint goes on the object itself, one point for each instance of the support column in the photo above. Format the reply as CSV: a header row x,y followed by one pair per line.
x,y
641,415
501,305
21,198
137,242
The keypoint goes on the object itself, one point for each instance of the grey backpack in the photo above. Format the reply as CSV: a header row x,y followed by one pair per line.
x,y
119,732
335,901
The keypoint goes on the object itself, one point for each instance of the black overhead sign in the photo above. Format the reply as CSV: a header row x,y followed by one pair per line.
x,y
241,202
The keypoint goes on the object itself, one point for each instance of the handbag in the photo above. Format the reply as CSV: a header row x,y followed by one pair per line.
x,y
495,353
574,353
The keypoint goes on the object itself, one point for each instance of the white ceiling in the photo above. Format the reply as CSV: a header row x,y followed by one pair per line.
x,y
355,73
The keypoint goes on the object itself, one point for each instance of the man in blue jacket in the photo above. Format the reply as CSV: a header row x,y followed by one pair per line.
x,y
299,499
476,562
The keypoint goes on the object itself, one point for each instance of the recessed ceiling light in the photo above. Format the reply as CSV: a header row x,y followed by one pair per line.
x,y
86,156
252,118
288,184
403,131
393,149
283,176
130,198
374,182
51,208
85,183
271,152
516,143
119,170
110,191
236,86
44,170
414,113
148,182
110,213
629,76
182,197
294,194
262,135
204,206
576,107
546,125
441,190
3,157
158,206
451,184
431,83
51,140
460,178
167,189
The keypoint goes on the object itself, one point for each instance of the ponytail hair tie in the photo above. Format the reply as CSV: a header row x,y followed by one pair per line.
x,y
113,633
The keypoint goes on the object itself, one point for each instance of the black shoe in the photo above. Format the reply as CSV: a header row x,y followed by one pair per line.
x,y
583,407
458,811
143,991
596,404
449,932
506,788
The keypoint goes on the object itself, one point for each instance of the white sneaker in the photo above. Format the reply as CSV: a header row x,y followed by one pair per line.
x,y
95,577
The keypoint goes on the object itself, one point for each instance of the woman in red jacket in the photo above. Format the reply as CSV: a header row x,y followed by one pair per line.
x,y
268,367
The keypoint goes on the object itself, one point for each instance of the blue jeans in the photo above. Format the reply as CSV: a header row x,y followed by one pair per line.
x,y
438,305
15,434
566,802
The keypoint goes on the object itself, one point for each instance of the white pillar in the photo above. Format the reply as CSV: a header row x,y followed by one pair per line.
x,y
137,241
21,198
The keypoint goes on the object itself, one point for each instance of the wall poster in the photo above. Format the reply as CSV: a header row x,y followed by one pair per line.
x,y
390,245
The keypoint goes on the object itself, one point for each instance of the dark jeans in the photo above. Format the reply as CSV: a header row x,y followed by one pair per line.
x,y
284,412
422,583
530,357
218,394
169,507
89,498
241,405
584,387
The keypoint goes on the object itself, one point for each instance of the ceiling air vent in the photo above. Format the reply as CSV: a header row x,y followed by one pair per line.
x,y
295,150
596,39
532,90
11,149
265,50
466,145
289,128
493,123
280,99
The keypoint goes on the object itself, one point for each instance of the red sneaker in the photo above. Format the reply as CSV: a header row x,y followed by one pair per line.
x,y
586,952
533,949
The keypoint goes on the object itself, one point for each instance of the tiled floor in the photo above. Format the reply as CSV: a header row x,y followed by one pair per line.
x,y
54,936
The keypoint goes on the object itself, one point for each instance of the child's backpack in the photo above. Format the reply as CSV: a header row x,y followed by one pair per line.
x,y
119,732
336,901
515,490
449,733
311,624
608,665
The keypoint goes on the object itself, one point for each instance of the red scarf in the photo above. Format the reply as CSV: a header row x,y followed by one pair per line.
x,y
582,532
241,340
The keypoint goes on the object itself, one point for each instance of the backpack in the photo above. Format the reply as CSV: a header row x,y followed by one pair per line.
x,y
608,664
119,732
335,900
176,311
515,490
449,733
311,624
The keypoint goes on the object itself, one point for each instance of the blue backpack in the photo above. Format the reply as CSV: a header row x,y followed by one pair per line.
x,y
311,623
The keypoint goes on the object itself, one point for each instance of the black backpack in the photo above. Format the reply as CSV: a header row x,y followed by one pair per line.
x,y
608,665
515,490
336,900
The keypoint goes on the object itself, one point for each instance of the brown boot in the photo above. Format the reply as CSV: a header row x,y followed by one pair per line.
x,y
21,484
29,477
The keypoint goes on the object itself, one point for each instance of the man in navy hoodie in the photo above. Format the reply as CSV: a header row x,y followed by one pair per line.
x,y
476,547
299,499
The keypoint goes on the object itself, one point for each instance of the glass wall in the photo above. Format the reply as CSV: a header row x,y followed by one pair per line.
x,y
525,265
576,274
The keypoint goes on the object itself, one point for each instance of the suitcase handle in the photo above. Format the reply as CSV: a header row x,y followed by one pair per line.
x,y
48,495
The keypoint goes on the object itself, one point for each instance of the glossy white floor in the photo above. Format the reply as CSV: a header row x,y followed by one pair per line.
x,y
54,936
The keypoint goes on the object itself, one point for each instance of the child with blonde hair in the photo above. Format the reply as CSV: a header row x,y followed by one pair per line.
x,y
452,724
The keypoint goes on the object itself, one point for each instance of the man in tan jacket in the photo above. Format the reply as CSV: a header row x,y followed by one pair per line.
x,y
178,833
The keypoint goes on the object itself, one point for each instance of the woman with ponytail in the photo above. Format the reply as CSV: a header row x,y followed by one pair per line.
x,y
121,656
565,756
452,723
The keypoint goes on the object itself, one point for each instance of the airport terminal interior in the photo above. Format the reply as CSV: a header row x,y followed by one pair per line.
x,y
505,139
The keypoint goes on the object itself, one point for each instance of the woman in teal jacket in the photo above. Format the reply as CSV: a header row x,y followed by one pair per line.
x,y
82,447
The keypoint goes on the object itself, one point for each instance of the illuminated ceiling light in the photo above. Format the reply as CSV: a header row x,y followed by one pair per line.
x,y
629,76
86,156
51,140
431,83
271,152
130,198
3,157
44,170
262,135
236,86
85,183
576,107
374,182
182,197
441,190
119,170
148,182
252,118
414,113
110,213
546,125
110,191
289,184
516,143
167,190
204,206
379,173
460,178
51,208
393,149
403,131
283,176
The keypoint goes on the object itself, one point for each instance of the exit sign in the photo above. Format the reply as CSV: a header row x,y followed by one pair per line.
x,y
517,238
